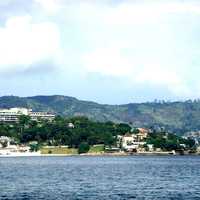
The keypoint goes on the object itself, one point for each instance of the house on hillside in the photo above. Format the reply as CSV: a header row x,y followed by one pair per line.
x,y
71,125
142,133
130,142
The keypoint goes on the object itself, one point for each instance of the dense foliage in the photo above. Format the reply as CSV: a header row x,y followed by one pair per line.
x,y
169,142
58,132
81,133
178,117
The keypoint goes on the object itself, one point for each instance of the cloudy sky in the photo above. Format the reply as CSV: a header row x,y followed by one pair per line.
x,y
109,51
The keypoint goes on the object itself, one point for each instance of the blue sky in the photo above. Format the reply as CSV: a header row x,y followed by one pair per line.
x,y
106,51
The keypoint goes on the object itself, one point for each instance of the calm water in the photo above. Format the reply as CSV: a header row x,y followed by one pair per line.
x,y
100,178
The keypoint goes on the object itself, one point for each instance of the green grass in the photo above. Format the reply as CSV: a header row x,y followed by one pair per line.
x,y
96,149
59,150
65,150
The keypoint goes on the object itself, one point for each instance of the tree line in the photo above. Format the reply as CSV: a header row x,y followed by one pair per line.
x,y
83,133
58,131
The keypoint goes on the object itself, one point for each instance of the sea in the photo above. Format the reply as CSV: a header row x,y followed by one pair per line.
x,y
100,178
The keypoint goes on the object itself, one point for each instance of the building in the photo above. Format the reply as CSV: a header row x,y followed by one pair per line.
x,y
8,147
130,142
71,125
12,114
4,141
41,115
150,147
134,141
143,133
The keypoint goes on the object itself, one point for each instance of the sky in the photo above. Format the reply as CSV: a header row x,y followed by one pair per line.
x,y
108,51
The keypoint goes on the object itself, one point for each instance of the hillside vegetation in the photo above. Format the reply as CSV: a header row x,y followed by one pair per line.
x,y
177,117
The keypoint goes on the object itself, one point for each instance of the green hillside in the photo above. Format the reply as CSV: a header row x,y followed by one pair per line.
x,y
178,117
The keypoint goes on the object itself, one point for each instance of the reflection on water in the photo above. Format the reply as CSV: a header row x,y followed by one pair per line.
x,y
100,178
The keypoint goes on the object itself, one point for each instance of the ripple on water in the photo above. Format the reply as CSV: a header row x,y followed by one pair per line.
x,y
100,178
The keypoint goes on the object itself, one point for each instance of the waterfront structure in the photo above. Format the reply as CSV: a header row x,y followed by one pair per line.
x,y
195,135
12,114
134,141
4,141
150,147
131,142
8,147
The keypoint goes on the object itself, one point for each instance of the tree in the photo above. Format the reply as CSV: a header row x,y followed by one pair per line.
x,y
190,142
109,140
123,128
34,147
83,147
24,120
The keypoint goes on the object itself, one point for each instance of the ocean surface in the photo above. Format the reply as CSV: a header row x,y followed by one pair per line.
x,y
99,178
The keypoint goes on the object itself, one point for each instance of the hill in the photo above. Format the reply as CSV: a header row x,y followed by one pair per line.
x,y
178,117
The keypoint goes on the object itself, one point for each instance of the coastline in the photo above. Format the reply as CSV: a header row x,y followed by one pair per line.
x,y
100,154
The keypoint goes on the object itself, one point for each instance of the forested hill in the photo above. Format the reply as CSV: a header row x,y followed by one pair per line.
x,y
178,117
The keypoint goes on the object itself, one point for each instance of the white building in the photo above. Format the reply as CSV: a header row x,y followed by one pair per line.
x,y
41,115
71,125
9,149
4,140
12,114
130,142
150,147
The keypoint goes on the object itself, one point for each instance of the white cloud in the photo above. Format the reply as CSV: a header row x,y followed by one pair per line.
x,y
107,61
131,12
141,43
163,76
23,42
50,6
135,71
157,75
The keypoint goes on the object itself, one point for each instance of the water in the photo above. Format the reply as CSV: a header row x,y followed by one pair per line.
x,y
99,178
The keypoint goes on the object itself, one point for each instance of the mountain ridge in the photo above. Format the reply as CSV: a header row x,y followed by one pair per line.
x,y
175,116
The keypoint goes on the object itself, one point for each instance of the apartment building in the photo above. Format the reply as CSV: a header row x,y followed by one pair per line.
x,y
12,114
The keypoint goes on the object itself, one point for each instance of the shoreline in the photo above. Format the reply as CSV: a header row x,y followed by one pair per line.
x,y
101,154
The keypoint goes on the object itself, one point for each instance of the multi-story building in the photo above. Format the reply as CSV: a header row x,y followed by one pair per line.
x,y
12,114
41,115
130,142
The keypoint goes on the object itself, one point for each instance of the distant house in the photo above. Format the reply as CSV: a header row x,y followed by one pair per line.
x,y
150,147
131,142
7,143
8,146
143,133
71,125
4,141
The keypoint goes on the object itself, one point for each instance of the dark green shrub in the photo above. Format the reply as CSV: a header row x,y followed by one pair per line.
x,y
83,147
49,152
